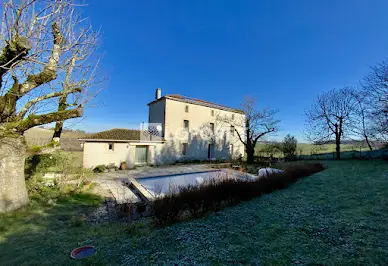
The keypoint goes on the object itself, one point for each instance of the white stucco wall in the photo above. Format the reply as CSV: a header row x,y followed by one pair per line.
x,y
96,153
199,118
171,115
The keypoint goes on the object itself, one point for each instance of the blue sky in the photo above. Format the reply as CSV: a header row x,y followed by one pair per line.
x,y
282,52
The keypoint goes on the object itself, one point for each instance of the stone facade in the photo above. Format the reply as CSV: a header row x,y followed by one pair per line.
x,y
190,130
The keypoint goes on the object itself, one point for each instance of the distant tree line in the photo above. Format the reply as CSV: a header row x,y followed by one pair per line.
x,y
352,113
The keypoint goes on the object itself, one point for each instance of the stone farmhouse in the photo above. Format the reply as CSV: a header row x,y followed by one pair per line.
x,y
179,128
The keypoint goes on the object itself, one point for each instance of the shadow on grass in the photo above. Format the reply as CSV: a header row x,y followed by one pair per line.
x,y
47,229
336,217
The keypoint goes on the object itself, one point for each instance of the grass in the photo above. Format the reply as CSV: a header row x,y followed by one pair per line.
x,y
335,217
35,234
195,201
77,158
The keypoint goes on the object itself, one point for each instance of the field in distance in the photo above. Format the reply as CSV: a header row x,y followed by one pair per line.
x,y
42,136
309,149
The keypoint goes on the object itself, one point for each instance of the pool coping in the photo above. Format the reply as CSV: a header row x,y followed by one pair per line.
x,y
144,193
178,174
147,195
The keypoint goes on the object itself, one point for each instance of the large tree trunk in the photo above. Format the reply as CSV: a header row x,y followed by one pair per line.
x,y
337,148
13,191
250,155
368,142
57,132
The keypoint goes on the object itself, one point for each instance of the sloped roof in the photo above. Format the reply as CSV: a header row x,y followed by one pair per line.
x,y
116,134
181,98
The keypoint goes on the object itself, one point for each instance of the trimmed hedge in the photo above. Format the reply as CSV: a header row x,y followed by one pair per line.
x,y
196,201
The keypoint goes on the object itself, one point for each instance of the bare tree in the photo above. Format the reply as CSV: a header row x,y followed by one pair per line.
x,y
330,118
38,41
362,118
257,124
79,72
375,87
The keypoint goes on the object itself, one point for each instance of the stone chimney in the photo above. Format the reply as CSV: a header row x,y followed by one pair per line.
x,y
158,93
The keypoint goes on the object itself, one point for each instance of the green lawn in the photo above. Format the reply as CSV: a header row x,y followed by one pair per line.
x,y
336,217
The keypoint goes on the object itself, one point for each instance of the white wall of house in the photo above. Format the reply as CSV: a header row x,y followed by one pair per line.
x,y
171,114
97,153
199,118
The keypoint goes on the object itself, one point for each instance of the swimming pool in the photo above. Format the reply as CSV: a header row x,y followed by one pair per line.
x,y
162,185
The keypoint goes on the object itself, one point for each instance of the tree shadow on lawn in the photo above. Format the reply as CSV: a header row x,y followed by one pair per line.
x,y
333,217
47,230
336,217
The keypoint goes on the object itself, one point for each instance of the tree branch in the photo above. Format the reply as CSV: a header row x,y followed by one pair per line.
x,y
49,71
36,120
14,51
239,136
31,103
262,134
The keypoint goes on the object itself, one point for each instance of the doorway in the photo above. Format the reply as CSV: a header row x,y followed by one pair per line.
x,y
210,151
141,154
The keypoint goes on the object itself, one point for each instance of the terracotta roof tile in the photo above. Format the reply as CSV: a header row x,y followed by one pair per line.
x,y
186,99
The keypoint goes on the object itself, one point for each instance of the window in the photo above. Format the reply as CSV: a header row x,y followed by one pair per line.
x,y
111,147
186,125
232,116
232,130
212,112
186,108
212,127
184,148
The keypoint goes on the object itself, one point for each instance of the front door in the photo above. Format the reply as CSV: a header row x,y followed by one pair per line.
x,y
210,151
141,154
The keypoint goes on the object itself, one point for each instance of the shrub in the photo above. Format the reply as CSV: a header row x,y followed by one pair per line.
x,y
59,162
42,163
288,147
99,168
195,201
35,149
